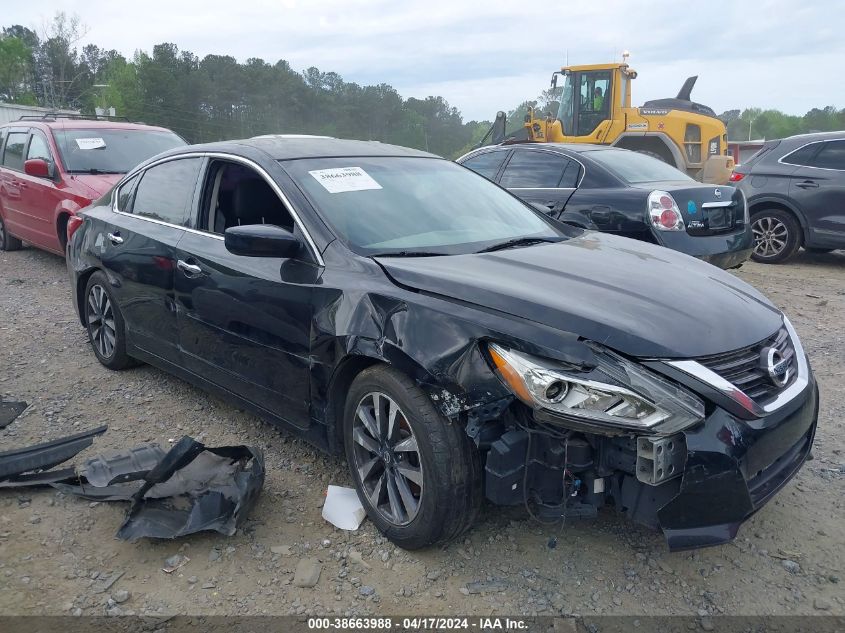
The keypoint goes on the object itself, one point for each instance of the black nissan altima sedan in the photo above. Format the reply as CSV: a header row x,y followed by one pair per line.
x,y
454,342
623,192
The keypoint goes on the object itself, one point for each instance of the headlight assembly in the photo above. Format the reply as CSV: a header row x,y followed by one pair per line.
x,y
616,393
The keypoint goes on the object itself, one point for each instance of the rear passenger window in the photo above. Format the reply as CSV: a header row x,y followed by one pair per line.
x,y
486,164
528,169
831,156
13,155
166,190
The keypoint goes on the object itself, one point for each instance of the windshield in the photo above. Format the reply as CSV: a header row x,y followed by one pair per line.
x,y
112,151
564,112
406,206
633,167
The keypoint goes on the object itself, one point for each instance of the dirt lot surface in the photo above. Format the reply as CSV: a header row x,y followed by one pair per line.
x,y
58,554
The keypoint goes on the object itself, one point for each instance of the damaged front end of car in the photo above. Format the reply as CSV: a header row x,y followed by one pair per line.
x,y
674,445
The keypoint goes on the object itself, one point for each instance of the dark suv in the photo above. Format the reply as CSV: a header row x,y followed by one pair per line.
x,y
795,189
51,167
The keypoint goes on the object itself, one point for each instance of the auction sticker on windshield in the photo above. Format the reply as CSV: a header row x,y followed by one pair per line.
x,y
344,179
90,143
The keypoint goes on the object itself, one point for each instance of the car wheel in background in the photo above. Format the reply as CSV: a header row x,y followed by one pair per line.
x,y
7,241
104,323
418,475
777,236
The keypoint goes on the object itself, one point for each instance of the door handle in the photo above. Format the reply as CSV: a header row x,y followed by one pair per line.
x,y
190,270
807,184
115,238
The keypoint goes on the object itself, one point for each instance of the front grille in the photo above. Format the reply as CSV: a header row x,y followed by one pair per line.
x,y
743,368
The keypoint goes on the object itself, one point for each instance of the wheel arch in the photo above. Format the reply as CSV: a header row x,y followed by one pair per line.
x,y
81,284
656,142
62,214
759,204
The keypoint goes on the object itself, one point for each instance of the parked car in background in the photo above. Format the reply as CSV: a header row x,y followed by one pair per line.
x,y
52,166
623,192
454,342
795,189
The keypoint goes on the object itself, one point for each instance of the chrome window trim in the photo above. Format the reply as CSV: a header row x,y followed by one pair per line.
x,y
222,156
782,160
711,378
495,148
547,150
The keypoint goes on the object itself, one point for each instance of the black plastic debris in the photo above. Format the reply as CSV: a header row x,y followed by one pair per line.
x,y
113,475
195,488
15,464
10,410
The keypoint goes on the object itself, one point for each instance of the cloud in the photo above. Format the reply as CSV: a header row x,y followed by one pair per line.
x,y
772,53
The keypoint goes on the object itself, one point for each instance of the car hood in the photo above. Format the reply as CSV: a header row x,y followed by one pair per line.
x,y
637,298
96,184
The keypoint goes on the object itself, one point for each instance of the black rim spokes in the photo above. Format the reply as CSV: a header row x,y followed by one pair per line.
x,y
387,458
101,321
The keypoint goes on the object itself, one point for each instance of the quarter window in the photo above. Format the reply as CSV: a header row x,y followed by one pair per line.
x,y
13,156
539,170
801,156
486,164
38,148
166,190
124,194
831,156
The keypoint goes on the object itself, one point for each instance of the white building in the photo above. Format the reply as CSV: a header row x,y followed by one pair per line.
x,y
12,112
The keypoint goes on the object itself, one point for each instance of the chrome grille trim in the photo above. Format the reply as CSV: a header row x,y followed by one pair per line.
x,y
708,376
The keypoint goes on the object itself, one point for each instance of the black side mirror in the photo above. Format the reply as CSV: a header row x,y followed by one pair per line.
x,y
261,240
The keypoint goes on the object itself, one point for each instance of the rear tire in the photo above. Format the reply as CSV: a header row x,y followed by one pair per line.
x,y
777,236
8,242
421,483
105,325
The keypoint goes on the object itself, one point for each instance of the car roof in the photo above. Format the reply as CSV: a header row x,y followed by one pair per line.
x,y
816,136
575,148
83,124
289,147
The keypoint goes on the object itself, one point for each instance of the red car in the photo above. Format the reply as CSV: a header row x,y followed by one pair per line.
x,y
52,167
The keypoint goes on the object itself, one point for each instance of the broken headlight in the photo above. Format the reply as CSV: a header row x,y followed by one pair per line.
x,y
616,392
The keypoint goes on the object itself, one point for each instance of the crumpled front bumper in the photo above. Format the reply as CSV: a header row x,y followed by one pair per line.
x,y
734,467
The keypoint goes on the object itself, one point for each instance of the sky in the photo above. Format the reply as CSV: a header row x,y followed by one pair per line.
x,y
488,56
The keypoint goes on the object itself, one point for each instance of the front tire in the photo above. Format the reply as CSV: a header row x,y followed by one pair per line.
x,y
105,325
418,475
8,242
777,236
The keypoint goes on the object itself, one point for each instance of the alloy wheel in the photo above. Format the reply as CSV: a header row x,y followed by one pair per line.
x,y
770,236
101,321
387,458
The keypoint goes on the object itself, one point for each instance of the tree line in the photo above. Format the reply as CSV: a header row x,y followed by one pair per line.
x,y
218,97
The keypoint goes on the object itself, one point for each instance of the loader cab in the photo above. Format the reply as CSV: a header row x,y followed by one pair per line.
x,y
590,95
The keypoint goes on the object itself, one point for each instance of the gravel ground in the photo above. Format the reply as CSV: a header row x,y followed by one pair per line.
x,y
58,554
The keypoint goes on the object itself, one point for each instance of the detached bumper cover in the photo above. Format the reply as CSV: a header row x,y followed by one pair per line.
x,y
734,467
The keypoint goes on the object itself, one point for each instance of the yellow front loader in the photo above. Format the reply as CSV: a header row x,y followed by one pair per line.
x,y
595,107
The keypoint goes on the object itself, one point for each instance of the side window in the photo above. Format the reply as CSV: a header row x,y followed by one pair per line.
x,y
486,164
831,156
38,148
166,190
532,170
124,194
801,156
3,132
235,195
570,175
13,155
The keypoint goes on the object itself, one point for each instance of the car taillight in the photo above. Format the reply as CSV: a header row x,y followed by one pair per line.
x,y
664,212
736,176
73,223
